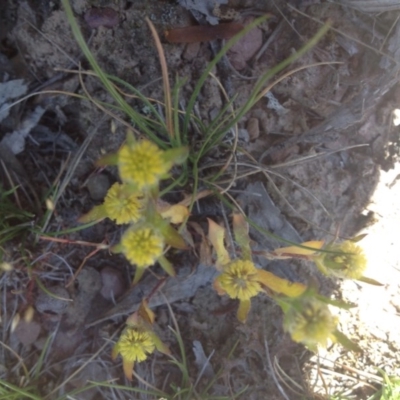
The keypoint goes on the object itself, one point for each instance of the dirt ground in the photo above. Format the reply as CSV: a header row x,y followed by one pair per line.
x,y
325,140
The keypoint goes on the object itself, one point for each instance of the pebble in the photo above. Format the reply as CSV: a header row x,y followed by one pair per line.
x,y
98,186
113,283
253,127
27,332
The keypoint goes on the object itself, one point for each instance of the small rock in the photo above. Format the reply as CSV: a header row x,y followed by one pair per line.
x,y
253,127
244,135
89,281
113,283
98,186
191,51
245,48
46,303
27,332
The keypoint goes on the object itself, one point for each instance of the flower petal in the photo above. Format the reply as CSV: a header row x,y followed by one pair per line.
x,y
288,252
128,368
177,155
371,281
167,266
160,346
218,288
280,285
172,237
97,213
244,308
216,235
176,213
138,274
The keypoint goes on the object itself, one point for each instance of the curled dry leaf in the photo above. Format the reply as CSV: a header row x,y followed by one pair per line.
x,y
203,33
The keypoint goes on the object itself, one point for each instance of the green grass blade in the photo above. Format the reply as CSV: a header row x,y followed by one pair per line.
x,y
135,116
210,66
257,92
16,391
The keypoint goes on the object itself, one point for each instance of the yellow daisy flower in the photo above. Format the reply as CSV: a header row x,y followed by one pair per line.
x,y
351,264
142,246
310,322
239,280
142,163
134,345
121,205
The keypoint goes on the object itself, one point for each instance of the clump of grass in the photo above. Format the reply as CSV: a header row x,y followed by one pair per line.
x,y
390,389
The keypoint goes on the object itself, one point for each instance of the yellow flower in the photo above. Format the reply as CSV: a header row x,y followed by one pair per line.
x,y
142,163
121,205
142,246
349,262
239,280
134,345
310,322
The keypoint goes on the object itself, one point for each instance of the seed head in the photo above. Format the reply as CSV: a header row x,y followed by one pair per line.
x,y
142,246
310,322
142,164
122,205
349,262
134,345
239,280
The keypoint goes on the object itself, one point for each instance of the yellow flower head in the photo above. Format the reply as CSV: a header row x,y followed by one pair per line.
x,y
310,322
142,163
142,246
240,280
134,345
351,264
121,205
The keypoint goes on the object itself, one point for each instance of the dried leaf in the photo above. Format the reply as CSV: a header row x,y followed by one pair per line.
x,y
176,213
243,310
205,249
145,312
203,33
